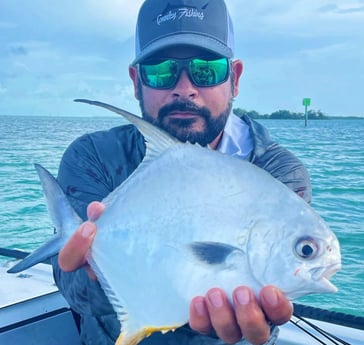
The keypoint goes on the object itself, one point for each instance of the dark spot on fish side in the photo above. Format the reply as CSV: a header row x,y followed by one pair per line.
x,y
212,253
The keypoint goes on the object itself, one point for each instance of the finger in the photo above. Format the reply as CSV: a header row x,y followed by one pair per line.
x,y
73,255
250,316
222,316
94,210
199,316
277,307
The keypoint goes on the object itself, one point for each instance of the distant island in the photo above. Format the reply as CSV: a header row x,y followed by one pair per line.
x,y
288,115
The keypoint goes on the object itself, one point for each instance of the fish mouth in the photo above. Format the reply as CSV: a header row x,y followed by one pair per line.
x,y
323,274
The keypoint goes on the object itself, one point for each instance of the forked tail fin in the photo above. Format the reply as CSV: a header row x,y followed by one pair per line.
x,y
64,218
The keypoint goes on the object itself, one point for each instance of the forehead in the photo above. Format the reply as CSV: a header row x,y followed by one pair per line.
x,y
182,52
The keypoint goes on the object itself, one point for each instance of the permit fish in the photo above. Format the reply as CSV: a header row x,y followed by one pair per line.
x,y
187,219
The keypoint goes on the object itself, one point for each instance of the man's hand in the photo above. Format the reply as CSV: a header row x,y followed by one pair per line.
x,y
73,255
212,312
246,318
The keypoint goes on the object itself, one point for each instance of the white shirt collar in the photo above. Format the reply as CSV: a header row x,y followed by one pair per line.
x,y
236,139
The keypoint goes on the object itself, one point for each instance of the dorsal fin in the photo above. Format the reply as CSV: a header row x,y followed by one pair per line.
x,y
156,139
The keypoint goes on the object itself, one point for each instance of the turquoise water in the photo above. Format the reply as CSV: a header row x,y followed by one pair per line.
x,y
332,150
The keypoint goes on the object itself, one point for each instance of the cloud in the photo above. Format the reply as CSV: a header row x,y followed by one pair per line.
x,y
351,10
18,50
6,25
343,9
3,89
63,50
304,17
45,20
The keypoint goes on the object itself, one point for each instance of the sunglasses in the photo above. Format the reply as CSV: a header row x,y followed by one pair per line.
x,y
164,74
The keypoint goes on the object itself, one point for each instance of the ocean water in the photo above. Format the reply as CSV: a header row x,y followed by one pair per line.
x,y
332,150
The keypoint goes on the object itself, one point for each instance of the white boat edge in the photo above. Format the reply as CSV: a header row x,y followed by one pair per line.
x,y
33,311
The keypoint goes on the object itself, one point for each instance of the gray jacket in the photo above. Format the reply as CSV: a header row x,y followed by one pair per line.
x,y
93,166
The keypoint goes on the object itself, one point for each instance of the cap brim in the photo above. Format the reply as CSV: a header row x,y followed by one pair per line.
x,y
203,42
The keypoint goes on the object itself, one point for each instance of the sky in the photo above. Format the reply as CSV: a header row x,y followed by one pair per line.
x,y
52,52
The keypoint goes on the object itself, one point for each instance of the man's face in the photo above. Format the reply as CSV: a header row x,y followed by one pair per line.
x,y
188,112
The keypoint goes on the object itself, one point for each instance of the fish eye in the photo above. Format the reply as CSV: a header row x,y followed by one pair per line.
x,y
306,248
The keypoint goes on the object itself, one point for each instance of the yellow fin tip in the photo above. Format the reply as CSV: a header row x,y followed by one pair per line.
x,y
145,332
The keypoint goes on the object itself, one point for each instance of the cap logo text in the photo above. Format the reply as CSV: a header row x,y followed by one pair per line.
x,y
178,14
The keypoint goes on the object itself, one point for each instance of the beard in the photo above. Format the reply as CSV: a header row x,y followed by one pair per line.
x,y
182,129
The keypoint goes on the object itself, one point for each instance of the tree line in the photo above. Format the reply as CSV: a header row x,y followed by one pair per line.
x,y
282,114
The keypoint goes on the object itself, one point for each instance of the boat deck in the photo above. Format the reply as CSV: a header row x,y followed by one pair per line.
x,y
32,311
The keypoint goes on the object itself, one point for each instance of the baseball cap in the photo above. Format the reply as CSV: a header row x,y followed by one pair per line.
x,y
166,23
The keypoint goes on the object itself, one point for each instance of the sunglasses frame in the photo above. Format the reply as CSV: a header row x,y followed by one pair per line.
x,y
182,64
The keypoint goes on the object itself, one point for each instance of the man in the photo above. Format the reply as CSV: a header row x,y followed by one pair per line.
x,y
185,80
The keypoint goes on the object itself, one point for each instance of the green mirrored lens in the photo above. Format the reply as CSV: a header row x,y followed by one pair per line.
x,y
209,72
162,75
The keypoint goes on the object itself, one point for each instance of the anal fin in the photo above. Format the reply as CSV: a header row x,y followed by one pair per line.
x,y
145,332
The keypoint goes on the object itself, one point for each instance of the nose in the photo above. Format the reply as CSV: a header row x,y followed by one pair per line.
x,y
185,88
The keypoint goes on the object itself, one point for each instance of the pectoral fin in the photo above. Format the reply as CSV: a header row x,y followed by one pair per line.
x,y
212,253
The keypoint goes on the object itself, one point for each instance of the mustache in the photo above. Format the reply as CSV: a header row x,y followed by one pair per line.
x,y
186,106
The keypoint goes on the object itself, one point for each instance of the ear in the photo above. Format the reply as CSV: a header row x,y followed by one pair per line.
x,y
133,74
237,70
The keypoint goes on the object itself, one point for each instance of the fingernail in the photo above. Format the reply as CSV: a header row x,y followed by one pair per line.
x,y
200,308
242,296
271,297
215,298
88,230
